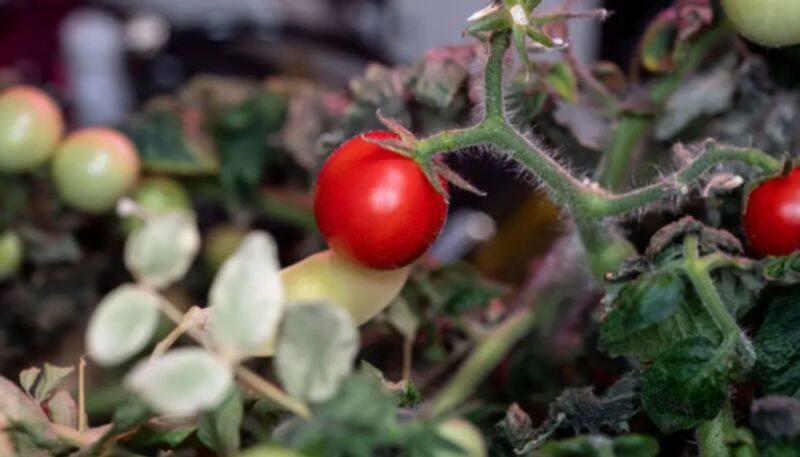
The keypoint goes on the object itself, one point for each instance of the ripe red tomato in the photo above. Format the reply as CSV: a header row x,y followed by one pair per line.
x,y
772,215
375,206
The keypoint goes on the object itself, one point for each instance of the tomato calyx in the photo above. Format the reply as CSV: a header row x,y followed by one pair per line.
x,y
434,169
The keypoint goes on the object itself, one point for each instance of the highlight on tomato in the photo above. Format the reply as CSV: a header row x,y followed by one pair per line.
x,y
31,125
375,206
94,167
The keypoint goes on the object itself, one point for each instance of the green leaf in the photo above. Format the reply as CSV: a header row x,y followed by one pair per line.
x,y
686,385
123,324
166,146
269,451
219,427
689,319
242,135
562,79
161,251
246,297
161,435
782,270
777,345
360,418
650,299
316,350
601,446
183,381
580,409
52,377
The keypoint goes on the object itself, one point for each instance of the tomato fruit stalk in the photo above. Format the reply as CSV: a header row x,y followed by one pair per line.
x,y
772,215
375,206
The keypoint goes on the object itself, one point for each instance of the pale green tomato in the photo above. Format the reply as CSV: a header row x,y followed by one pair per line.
x,y
269,451
220,243
11,254
94,167
158,196
464,435
326,277
766,22
31,125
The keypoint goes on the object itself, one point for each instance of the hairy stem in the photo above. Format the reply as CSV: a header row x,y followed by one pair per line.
x,y
712,436
615,165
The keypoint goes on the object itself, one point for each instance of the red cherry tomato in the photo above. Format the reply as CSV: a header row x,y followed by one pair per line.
x,y
772,215
375,206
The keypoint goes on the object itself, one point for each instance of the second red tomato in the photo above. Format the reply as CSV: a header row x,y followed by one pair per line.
x,y
772,216
375,206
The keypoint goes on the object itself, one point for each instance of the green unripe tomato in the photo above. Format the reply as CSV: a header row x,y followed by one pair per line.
x,y
464,435
269,451
766,22
31,125
94,167
11,254
158,196
220,243
327,277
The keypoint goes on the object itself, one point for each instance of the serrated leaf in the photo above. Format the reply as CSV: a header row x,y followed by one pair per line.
x,y
685,386
63,409
562,79
580,409
316,350
650,299
169,145
777,345
183,381
122,325
439,75
219,428
246,297
161,251
52,377
689,319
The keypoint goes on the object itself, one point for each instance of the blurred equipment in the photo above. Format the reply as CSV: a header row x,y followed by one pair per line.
x,y
94,56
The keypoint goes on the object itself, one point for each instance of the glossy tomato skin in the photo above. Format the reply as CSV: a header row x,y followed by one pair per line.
x,y
766,22
375,206
772,215
31,125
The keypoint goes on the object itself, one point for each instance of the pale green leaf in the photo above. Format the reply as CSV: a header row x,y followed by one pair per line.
x,y
52,377
122,324
182,382
246,297
161,251
316,350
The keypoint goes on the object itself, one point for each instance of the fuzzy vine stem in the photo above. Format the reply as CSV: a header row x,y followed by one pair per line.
x,y
712,436
586,202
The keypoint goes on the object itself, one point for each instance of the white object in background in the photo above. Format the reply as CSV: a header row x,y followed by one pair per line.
x,y
423,24
94,54
464,229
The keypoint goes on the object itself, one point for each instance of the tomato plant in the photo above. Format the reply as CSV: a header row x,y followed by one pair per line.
x,y
31,126
771,219
642,302
376,206
94,167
